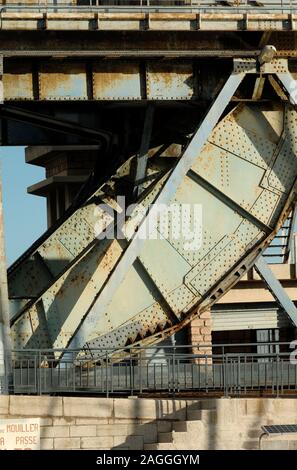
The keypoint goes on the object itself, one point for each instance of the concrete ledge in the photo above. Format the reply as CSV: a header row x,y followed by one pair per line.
x,y
167,20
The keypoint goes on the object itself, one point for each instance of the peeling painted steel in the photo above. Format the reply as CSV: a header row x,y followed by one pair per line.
x,y
39,267
170,81
117,80
121,79
18,83
62,81
162,199
166,285
105,80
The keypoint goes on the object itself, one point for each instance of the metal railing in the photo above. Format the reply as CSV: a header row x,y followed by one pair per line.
x,y
207,6
153,370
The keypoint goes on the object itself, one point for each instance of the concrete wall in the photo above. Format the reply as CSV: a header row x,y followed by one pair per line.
x,y
137,423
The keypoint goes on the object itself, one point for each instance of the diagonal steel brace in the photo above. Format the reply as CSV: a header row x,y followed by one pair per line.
x,y
276,289
290,85
165,196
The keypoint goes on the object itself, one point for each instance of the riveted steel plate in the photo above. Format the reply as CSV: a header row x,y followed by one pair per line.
x,y
166,285
142,325
62,81
256,132
18,83
116,80
35,270
169,80
282,174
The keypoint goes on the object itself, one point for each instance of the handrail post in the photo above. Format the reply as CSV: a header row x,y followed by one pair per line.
x,y
39,372
140,371
73,371
131,374
106,374
225,374
277,375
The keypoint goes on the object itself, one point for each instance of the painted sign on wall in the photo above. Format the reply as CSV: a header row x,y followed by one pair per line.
x,y
20,434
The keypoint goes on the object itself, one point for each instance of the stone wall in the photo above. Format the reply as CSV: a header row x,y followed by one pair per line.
x,y
235,423
139,423
95,423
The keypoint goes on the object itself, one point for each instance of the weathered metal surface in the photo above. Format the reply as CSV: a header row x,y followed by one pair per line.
x,y
165,196
227,236
125,79
18,83
79,291
37,269
111,80
165,283
142,155
117,80
60,80
57,310
169,81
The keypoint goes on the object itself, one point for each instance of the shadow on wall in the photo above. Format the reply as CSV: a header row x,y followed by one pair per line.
x,y
167,412
210,424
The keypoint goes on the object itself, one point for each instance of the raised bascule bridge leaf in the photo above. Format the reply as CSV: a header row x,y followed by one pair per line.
x,y
243,183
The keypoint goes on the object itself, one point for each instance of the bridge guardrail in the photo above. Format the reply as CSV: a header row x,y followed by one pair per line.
x,y
203,6
167,369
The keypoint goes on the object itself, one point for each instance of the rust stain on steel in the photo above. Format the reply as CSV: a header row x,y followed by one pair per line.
x,y
116,80
18,81
208,163
63,81
216,293
167,80
18,86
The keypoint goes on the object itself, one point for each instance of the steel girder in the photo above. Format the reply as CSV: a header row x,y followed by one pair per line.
x,y
116,292
110,80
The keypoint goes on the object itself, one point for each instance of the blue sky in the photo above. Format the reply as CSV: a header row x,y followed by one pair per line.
x,y
24,214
